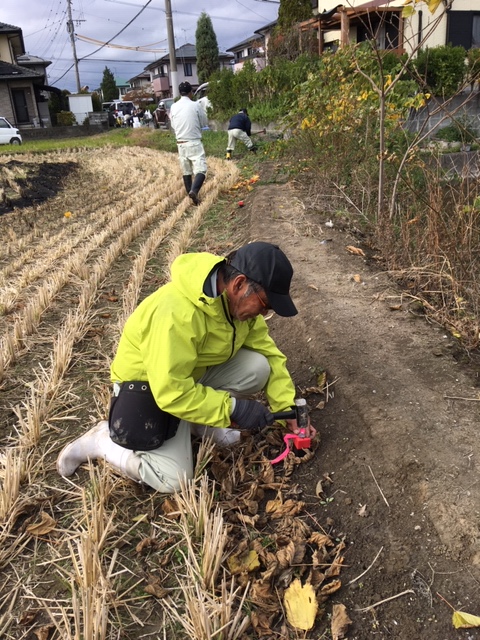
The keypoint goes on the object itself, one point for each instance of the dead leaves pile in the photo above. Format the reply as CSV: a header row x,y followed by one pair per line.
x,y
245,184
291,563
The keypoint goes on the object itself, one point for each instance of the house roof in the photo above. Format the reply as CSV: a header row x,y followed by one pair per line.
x,y
8,28
266,28
243,43
27,60
186,51
15,37
14,72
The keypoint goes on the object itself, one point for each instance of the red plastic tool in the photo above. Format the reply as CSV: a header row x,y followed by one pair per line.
x,y
299,440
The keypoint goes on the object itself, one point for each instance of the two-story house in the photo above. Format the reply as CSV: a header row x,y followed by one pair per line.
x,y
251,49
186,58
23,87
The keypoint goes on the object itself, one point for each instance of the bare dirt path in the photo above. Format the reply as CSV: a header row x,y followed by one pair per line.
x,y
402,456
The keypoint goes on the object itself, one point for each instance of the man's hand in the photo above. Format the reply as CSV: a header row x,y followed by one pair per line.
x,y
250,414
310,432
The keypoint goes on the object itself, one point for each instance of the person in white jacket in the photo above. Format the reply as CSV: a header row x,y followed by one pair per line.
x,y
187,119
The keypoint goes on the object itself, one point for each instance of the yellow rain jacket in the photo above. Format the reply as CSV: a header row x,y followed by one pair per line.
x,y
178,332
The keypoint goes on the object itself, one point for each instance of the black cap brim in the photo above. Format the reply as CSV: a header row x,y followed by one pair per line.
x,y
281,304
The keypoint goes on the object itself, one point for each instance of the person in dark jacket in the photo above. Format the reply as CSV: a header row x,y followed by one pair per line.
x,y
239,128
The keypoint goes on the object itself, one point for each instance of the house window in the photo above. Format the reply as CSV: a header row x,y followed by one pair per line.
x,y
238,55
463,29
476,31
187,69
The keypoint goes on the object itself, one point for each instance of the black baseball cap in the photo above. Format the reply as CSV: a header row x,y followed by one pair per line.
x,y
268,266
185,88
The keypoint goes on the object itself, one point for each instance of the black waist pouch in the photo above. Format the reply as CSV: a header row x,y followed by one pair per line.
x,y
136,422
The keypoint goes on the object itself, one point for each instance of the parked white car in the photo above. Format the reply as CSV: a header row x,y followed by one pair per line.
x,y
201,96
8,133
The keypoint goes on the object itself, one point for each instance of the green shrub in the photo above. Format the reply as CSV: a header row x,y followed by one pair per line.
x,y
457,132
442,69
65,119
473,66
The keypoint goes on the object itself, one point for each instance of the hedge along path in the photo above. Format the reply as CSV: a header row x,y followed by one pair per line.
x,y
22,461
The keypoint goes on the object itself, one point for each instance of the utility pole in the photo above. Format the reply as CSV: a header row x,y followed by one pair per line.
x,y
171,49
71,31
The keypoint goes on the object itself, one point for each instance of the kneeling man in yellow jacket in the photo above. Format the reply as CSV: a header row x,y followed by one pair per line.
x,y
189,356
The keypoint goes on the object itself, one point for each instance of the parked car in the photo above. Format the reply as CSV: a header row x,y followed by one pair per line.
x,y
8,133
125,106
201,96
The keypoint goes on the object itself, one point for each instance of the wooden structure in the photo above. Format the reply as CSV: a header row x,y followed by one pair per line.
x,y
372,20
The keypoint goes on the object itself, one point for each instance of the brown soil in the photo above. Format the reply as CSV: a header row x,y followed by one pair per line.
x,y
398,435
397,455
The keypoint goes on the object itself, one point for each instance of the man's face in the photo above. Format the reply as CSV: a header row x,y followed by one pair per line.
x,y
243,302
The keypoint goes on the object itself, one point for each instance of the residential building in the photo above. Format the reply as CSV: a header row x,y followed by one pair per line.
x,y
340,24
23,81
123,87
252,49
141,81
186,58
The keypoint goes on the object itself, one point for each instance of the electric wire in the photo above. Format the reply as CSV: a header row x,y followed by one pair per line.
x,y
108,42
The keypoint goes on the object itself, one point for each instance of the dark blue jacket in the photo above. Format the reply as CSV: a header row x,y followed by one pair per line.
x,y
240,121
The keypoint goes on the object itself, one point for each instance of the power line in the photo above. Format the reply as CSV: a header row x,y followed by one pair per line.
x,y
189,13
108,42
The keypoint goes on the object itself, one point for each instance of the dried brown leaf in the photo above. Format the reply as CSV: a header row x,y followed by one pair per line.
x,y
170,509
316,578
289,508
340,621
251,506
286,554
335,568
356,251
267,475
27,617
244,519
330,588
320,539
42,633
46,525
269,572
146,544
261,624
154,589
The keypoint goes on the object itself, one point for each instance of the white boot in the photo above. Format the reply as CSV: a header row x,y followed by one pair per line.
x,y
221,437
96,443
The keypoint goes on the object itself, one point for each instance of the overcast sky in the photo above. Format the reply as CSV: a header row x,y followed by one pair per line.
x,y
43,23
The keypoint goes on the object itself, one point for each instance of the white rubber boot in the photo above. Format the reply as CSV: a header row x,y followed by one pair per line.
x,y
96,443
221,437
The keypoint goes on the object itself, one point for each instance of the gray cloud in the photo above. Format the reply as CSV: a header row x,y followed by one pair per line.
x,y
45,34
